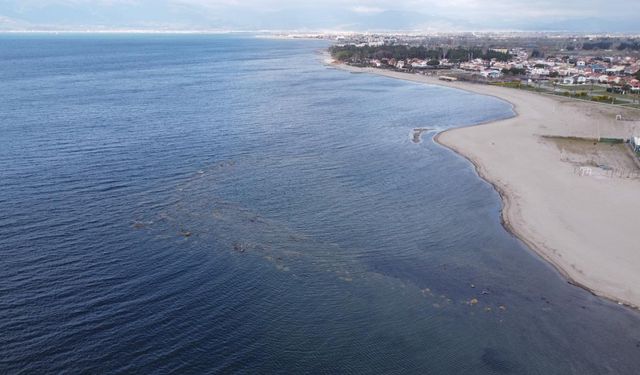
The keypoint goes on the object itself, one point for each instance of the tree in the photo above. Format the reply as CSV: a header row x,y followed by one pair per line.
x,y
401,52
638,74
433,62
536,54
631,45
343,55
597,45
514,71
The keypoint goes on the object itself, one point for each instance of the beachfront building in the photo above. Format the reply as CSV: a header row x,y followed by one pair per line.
x,y
491,74
419,64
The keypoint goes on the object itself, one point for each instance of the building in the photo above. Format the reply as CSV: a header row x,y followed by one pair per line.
x,y
420,64
616,70
491,74
540,72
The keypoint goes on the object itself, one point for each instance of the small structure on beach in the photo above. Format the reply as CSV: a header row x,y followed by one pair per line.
x,y
635,144
448,78
493,74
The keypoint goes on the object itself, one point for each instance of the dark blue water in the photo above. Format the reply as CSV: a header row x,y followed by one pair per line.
x,y
206,204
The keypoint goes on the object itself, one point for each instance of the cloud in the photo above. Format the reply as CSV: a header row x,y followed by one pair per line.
x,y
355,14
367,10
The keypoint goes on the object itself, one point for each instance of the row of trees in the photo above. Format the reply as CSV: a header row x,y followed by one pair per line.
x,y
635,46
399,52
632,45
514,71
588,46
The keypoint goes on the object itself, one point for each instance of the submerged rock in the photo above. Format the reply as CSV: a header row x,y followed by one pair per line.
x,y
139,225
239,247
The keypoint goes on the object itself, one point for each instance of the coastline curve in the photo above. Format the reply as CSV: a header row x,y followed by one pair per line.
x,y
512,215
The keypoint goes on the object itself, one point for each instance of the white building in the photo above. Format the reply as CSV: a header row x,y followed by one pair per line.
x,y
540,72
419,64
616,70
491,73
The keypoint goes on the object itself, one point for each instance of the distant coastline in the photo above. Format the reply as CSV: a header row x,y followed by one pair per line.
x,y
120,31
590,243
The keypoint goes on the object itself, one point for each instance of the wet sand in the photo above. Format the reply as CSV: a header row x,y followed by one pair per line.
x,y
573,202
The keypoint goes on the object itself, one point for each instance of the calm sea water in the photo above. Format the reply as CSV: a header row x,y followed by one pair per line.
x,y
208,204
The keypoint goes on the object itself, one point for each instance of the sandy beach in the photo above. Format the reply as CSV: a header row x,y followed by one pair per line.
x,y
574,202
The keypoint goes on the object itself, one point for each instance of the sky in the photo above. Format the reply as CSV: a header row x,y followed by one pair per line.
x,y
323,15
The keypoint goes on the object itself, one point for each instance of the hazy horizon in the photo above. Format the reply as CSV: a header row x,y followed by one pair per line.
x,y
615,16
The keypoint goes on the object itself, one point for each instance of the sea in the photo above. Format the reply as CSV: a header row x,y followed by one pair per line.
x,y
227,204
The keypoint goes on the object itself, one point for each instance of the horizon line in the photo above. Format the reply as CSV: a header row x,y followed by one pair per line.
x,y
293,32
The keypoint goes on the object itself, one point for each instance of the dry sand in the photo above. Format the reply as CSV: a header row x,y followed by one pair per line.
x,y
575,203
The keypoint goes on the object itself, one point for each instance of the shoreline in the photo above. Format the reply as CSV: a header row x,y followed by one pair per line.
x,y
519,216
504,220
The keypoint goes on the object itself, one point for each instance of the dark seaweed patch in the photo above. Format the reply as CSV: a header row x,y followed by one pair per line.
x,y
497,362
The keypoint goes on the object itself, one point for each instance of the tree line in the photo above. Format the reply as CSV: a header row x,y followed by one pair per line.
x,y
635,46
632,45
355,54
